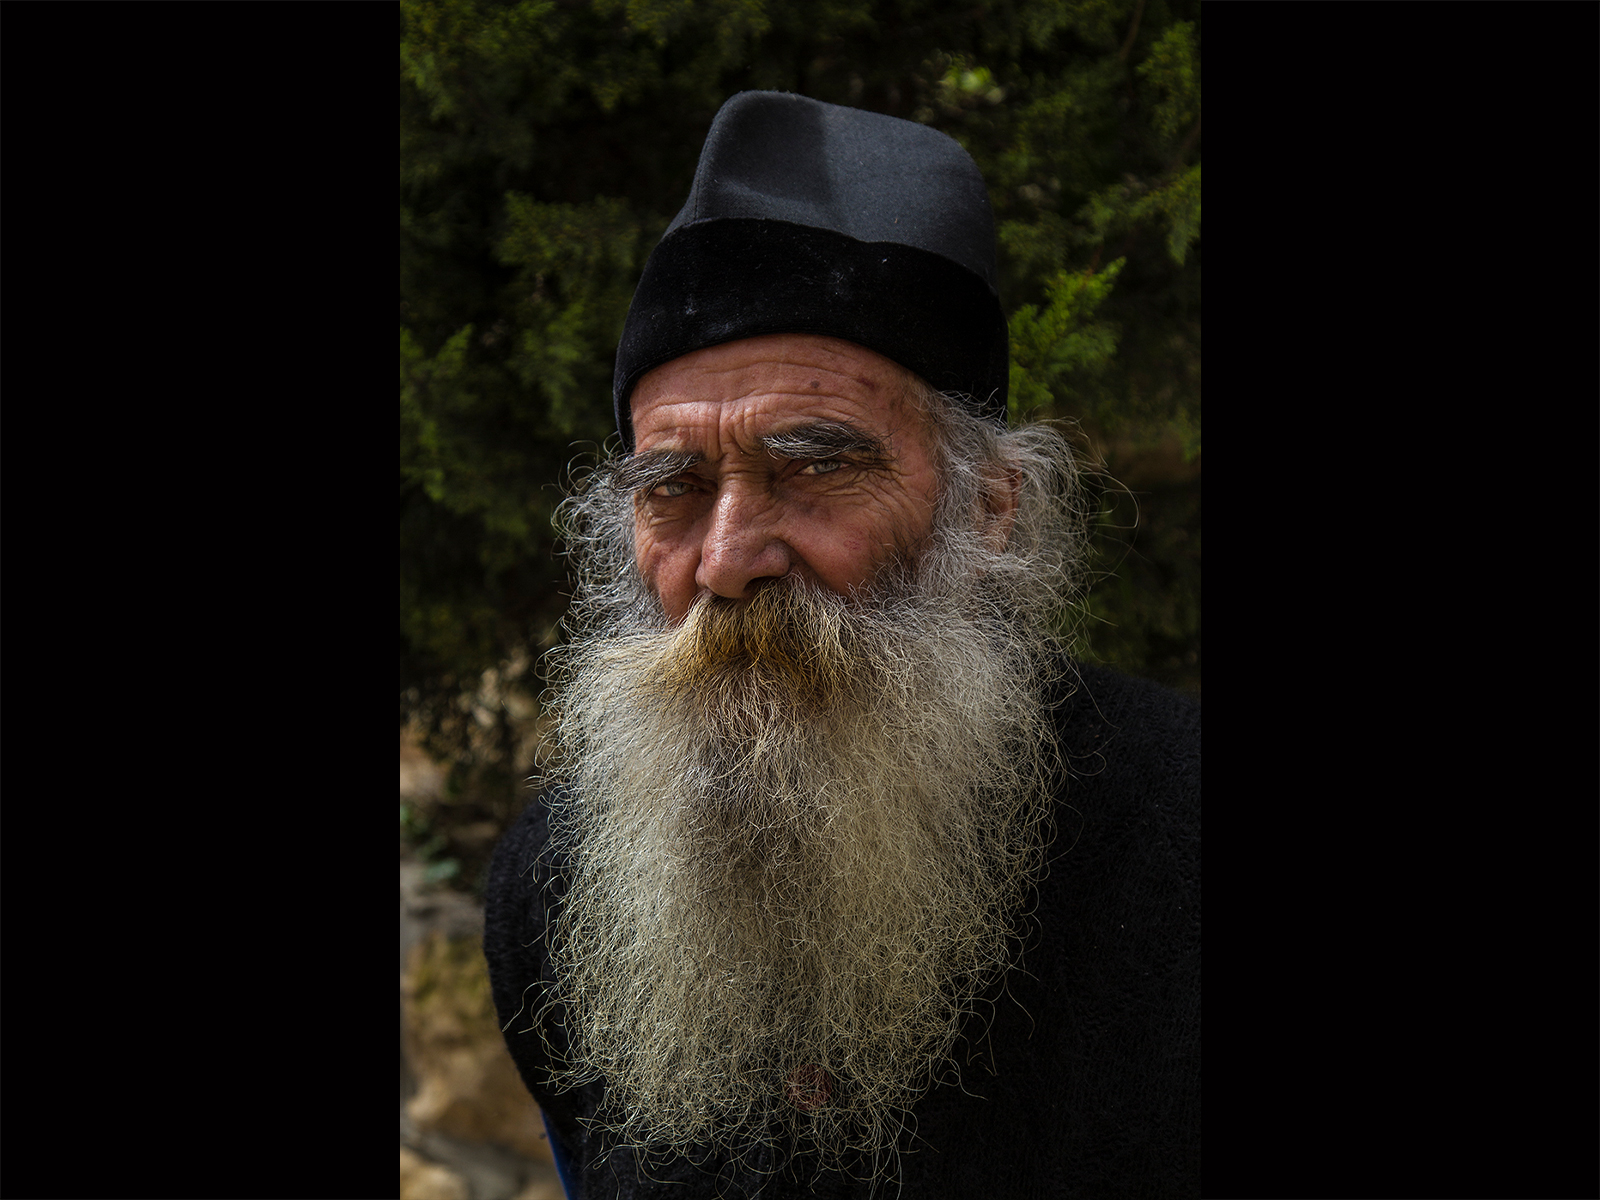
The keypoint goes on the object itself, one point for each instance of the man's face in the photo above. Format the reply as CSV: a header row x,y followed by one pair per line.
x,y
781,455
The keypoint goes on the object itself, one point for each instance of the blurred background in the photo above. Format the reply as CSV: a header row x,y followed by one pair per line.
x,y
545,146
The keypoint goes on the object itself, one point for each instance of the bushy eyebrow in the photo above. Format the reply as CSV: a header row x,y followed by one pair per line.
x,y
826,439
651,468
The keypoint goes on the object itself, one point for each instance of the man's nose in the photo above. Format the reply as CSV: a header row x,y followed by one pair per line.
x,y
742,545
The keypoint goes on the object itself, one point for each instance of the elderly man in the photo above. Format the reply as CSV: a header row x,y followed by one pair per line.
x,y
845,878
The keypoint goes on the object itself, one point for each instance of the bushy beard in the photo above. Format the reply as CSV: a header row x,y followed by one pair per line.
x,y
799,830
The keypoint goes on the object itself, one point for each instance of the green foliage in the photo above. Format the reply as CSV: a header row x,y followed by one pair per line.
x,y
1173,72
577,267
546,144
1051,347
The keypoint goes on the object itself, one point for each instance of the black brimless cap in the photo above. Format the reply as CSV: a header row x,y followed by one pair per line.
x,y
807,217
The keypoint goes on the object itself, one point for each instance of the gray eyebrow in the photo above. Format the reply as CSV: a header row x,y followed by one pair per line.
x,y
640,472
816,439
826,439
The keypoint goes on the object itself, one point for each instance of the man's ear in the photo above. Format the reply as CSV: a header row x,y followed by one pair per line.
x,y
1000,500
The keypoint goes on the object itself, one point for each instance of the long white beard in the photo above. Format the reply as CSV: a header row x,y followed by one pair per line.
x,y
799,831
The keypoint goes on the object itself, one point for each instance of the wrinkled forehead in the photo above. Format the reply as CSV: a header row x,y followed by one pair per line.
x,y
754,388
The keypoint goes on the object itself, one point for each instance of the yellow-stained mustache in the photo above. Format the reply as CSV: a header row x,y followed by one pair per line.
x,y
787,635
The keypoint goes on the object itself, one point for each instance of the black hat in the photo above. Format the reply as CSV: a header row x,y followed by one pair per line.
x,y
807,217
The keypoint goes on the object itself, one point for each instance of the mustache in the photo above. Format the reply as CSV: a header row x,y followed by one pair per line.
x,y
789,639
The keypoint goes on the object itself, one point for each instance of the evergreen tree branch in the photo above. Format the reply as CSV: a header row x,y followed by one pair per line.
x,y
1189,140
1133,32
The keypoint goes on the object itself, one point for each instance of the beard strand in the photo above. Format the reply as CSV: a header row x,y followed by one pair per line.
x,y
798,833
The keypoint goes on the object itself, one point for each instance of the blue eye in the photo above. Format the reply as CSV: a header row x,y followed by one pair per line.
x,y
673,487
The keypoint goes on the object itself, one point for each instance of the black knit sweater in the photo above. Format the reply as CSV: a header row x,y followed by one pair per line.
x,y
1086,1083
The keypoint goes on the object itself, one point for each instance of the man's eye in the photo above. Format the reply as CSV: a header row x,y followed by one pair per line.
x,y
822,466
671,488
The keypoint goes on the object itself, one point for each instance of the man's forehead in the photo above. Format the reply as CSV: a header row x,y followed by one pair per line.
x,y
771,385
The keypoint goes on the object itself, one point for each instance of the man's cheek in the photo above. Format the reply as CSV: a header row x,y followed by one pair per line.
x,y
667,573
